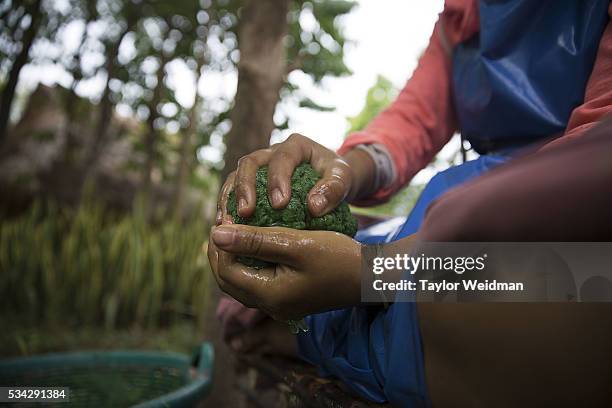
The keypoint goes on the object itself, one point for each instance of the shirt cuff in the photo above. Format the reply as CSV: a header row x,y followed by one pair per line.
x,y
384,167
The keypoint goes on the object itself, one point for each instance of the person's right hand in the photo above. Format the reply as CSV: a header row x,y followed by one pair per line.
x,y
282,158
310,271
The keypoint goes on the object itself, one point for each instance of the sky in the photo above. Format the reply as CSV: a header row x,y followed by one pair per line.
x,y
385,37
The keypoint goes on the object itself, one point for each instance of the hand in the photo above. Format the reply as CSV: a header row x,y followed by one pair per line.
x,y
236,318
282,158
269,337
314,271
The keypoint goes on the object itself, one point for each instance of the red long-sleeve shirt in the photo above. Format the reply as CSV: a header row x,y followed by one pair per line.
x,y
422,119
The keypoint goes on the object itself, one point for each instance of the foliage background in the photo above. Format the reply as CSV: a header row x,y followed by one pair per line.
x,y
106,198
108,178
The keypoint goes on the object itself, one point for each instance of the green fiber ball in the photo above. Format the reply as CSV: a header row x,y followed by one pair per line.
x,y
296,214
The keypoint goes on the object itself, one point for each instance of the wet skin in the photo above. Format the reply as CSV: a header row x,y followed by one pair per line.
x,y
342,178
475,354
314,271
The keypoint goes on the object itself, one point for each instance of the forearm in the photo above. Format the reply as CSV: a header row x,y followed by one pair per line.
x,y
419,122
377,256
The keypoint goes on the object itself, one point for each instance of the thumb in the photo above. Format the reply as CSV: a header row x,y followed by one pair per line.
x,y
272,244
326,195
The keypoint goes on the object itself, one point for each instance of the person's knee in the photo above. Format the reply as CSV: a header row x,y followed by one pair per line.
x,y
445,221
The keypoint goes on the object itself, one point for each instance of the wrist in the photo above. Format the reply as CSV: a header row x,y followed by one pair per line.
x,y
363,170
343,279
353,278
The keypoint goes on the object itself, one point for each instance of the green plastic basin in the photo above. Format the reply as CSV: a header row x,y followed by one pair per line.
x,y
117,378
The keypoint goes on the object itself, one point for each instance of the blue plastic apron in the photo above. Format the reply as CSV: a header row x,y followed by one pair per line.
x,y
514,83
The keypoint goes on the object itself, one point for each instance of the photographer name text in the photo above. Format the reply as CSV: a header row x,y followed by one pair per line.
x,y
448,286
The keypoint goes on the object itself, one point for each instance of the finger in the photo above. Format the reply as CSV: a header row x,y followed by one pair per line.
x,y
247,341
286,157
247,285
222,267
223,197
244,184
330,190
224,261
273,244
213,257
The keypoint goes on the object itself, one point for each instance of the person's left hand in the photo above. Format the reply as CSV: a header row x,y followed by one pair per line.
x,y
314,271
269,337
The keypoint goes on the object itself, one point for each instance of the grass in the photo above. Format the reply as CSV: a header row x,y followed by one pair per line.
x,y
85,267
181,337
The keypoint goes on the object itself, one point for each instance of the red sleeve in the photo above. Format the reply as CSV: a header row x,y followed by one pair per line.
x,y
598,94
422,118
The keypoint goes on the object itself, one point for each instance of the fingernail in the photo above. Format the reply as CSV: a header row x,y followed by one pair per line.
x,y
318,201
219,217
277,196
223,236
242,204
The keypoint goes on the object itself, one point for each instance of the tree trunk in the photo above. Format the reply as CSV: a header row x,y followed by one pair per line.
x,y
261,73
72,99
185,159
151,137
92,152
8,93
